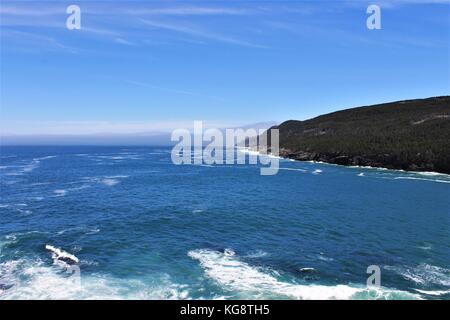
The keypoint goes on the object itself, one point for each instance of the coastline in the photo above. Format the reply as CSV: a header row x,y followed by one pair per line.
x,y
359,162
286,157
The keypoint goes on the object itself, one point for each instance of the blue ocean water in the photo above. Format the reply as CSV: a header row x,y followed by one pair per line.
x,y
143,228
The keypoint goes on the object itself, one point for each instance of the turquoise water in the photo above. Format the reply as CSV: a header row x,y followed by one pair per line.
x,y
143,228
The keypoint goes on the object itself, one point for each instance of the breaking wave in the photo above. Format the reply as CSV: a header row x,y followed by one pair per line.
x,y
25,168
60,192
433,293
21,279
61,255
423,179
424,274
293,169
235,275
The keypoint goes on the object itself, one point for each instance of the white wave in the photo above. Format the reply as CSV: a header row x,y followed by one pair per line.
x,y
322,257
18,207
257,153
425,247
433,293
306,269
88,263
432,174
119,158
197,211
14,174
375,168
16,170
317,171
27,168
424,274
423,179
84,229
119,176
248,151
59,254
105,180
233,274
93,231
110,182
113,157
44,158
257,254
30,167
361,174
229,252
321,162
24,211
293,169
14,236
60,192
36,281
40,184
7,274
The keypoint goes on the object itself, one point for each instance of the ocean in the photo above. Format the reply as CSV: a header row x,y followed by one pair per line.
x,y
144,228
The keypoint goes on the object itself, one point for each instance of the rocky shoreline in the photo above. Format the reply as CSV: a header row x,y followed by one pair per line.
x,y
383,161
410,135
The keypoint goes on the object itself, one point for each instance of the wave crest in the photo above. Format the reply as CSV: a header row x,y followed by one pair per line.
x,y
235,275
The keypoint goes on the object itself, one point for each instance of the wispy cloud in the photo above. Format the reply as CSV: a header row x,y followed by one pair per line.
x,y
344,36
31,15
32,9
394,4
34,40
114,24
197,32
187,11
38,26
124,41
141,8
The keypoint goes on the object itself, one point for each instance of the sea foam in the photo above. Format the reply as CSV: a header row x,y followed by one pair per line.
x,y
25,279
238,276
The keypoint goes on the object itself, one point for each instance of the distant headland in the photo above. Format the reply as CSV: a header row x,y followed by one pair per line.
x,y
411,135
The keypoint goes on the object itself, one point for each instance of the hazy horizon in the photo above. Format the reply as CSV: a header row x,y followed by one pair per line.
x,y
156,133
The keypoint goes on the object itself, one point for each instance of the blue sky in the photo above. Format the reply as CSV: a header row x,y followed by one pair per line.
x,y
154,65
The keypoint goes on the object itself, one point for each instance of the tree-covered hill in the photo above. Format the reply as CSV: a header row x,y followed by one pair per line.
x,y
410,135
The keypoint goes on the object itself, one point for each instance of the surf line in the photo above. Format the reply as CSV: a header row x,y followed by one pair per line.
x,y
193,310
225,142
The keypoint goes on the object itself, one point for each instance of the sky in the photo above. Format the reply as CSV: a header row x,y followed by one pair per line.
x,y
139,66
